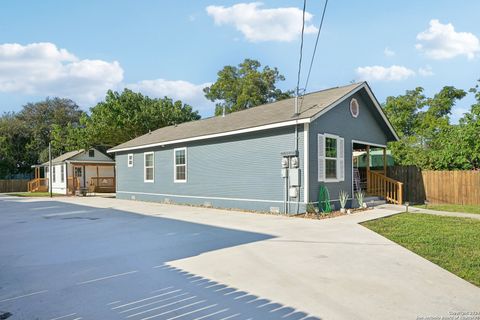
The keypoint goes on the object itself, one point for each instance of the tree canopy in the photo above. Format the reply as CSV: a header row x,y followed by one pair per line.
x,y
428,139
245,86
24,136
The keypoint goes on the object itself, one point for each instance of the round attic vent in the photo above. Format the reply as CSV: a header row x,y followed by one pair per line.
x,y
354,108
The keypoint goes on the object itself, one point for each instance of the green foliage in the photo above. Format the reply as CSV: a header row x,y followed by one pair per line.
x,y
324,205
465,208
427,138
245,86
360,196
124,116
24,136
343,197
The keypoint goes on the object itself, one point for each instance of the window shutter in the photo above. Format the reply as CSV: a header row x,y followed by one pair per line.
x,y
321,157
341,159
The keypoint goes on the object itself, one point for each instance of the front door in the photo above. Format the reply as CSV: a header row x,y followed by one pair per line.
x,y
78,173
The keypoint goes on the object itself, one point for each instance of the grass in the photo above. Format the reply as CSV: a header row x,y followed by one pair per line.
x,y
450,242
33,194
451,208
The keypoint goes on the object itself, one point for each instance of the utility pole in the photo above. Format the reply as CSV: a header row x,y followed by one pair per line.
x,y
50,168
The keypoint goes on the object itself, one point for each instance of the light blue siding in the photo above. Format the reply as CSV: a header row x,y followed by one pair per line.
x,y
367,127
241,171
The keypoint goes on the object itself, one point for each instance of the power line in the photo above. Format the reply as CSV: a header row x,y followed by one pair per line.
x,y
301,48
316,43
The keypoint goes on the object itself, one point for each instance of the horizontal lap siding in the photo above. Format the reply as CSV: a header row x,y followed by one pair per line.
x,y
368,127
245,166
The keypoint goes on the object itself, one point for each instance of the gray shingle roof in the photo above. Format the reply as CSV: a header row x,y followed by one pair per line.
x,y
270,113
65,156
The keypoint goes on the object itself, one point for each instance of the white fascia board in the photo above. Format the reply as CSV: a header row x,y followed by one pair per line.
x,y
90,161
372,97
216,135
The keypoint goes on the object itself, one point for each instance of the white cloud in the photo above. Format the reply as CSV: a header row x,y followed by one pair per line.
x,y
257,24
441,41
178,90
380,73
42,68
388,52
425,72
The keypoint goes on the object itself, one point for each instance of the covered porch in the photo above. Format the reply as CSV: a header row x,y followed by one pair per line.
x,y
87,177
75,178
370,172
40,181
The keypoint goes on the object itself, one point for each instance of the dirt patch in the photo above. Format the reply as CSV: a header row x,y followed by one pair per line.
x,y
333,214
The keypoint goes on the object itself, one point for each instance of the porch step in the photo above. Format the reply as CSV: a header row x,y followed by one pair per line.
x,y
374,201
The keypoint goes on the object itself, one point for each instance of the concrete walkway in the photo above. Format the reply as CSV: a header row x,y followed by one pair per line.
x,y
332,269
428,211
101,251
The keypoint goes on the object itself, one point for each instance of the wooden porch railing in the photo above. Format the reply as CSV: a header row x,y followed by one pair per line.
x,y
38,185
380,185
73,184
102,184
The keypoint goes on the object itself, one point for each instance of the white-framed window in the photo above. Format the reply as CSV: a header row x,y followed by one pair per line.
x,y
149,166
130,160
77,171
180,165
91,153
54,170
331,158
62,173
354,108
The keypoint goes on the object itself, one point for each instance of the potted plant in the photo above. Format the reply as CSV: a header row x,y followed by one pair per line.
x,y
343,198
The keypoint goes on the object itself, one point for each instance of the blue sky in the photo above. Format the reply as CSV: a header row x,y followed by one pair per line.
x,y
79,49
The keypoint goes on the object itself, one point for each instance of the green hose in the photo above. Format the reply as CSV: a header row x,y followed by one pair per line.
x,y
324,200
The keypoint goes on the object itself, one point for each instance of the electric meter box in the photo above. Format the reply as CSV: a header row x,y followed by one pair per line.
x,y
293,192
294,162
294,177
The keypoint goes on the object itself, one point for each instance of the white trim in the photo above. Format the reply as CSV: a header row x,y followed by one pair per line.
x,y
306,158
349,94
369,143
207,197
175,180
89,161
352,102
216,135
129,157
351,152
332,136
145,168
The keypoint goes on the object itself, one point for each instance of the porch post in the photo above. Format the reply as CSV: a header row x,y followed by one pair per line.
x,y
368,169
385,162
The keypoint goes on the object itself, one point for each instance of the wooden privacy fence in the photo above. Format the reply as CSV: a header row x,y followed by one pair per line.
x,y
20,185
455,187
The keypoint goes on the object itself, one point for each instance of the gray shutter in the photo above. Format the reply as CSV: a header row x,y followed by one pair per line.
x,y
341,159
321,157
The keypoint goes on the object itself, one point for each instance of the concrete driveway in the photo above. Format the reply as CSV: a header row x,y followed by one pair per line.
x,y
97,258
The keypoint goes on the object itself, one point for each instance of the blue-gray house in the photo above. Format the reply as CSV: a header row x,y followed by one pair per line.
x,y
272,157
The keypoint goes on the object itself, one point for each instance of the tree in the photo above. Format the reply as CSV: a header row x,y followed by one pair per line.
x,y
427,138
127,115
14,136
39,119
245,86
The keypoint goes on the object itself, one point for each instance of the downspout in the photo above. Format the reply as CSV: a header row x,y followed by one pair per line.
x,y
296,146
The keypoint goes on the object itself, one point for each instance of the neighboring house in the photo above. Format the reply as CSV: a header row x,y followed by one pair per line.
x,y
90,170
265,158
